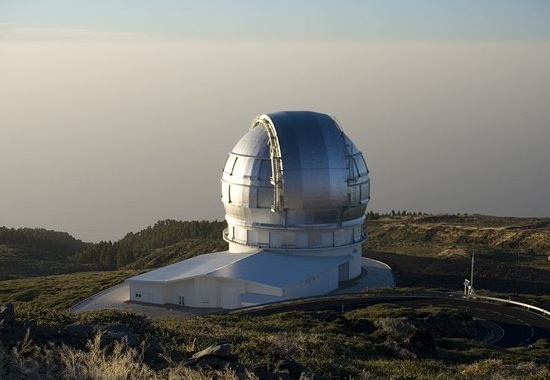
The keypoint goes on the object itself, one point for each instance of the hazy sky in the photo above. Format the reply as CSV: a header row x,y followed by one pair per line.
x,y
116,114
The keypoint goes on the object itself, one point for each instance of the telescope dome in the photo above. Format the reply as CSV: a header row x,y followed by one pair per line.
x,y
295,181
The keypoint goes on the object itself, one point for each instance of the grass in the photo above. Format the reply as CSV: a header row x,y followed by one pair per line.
x,y
316,340
326,346
28,361
492,369
61,291
495,270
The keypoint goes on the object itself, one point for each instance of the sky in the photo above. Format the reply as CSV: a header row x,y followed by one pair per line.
x,y
117,114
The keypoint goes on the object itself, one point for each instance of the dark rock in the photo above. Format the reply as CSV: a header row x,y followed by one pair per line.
x,y
127,337
152,345
10,337
115,329
212,363
308,375
216,357
119,333
421,343
357,326
339,320
80,331
152,355
7,314
222,350
363,326
177,356
109,334
290,367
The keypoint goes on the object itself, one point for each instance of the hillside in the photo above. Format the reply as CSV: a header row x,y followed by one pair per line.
x,y
511,254
174,253
155,245
32,252
529,236
384,341
27,252
430,251
20,261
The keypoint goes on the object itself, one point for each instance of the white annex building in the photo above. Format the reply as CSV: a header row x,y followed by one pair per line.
x,y
295,190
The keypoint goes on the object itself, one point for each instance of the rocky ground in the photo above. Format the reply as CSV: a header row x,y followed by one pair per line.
x,y
30,350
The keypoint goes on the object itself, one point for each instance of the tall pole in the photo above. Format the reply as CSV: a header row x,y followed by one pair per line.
x,y
472,274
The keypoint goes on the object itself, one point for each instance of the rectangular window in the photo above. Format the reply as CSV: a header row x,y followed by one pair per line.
x,y
354,195
361,165
236,195
229,164
226,192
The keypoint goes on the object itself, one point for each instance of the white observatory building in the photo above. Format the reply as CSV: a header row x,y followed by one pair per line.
x,y
295,189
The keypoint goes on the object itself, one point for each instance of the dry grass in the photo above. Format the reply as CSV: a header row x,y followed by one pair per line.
x,y
28,361
498,370
98,362
185,373
327,348
60,291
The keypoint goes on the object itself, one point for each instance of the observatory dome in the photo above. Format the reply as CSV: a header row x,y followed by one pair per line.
x,y
295,191
295,181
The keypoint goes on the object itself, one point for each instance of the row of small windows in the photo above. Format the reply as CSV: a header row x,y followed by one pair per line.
x,y
295,240
262,197
251,197
254,168
248,167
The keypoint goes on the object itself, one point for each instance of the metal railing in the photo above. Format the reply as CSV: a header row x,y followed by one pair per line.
x,y
525,305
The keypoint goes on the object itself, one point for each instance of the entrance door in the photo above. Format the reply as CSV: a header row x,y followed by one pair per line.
x,y
343,272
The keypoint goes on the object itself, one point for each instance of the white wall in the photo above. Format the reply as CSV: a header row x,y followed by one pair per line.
x,y
205,292
229,292
184,288
214,292
318,284
355,263
262,289
149,292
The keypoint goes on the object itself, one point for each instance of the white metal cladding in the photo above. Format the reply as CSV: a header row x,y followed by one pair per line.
x,y
299,172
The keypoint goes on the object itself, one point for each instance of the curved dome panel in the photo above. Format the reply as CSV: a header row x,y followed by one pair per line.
x,y
294,171
315,167
253,144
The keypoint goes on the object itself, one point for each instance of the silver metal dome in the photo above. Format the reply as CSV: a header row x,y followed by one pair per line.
x,y
295,181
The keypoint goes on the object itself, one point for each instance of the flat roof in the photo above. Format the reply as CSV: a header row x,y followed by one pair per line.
x,y
278,269
195,266
261,267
